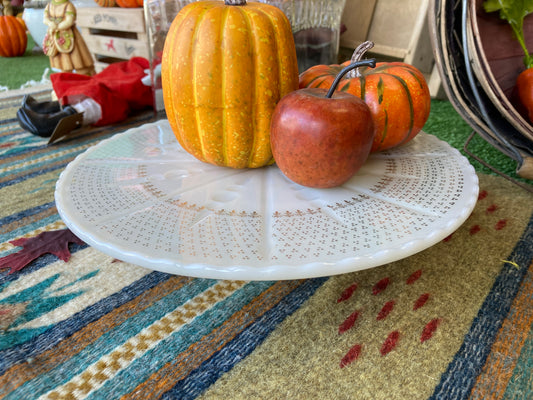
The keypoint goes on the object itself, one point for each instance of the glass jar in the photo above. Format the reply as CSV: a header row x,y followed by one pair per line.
x,y
315,25
316,28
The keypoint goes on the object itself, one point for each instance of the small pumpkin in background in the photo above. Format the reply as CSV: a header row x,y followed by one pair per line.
x,y
106,3
396,92
13,37
224,68
130,3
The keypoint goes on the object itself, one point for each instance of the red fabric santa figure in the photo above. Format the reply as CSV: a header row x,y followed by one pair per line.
x,y
102,99
118,90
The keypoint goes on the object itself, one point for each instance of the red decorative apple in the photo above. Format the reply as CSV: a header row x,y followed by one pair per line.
x,y
321,138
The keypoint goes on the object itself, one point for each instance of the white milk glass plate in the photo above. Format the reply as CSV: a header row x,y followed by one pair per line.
x,y
140,198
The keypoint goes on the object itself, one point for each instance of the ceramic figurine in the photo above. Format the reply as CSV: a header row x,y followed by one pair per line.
x,y
6,8
63,42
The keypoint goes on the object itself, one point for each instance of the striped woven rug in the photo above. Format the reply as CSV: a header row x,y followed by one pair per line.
x,y
451,322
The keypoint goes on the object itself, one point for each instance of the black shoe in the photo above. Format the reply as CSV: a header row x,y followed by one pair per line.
x,y
42,124
43,107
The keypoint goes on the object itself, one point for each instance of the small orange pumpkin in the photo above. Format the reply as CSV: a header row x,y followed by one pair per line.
x,y
396,92
106,3
13,37
130,3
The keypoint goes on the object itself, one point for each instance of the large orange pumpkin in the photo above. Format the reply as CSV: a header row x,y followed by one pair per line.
x,y
21,21
13,38
130,3
225,66
396,92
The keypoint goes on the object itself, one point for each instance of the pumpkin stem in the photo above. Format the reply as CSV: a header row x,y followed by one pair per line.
x,y
365,63
358,55
235,2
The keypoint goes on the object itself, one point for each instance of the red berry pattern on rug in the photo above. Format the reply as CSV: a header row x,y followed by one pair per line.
x,y
380,286
352,355
429,329
424,297
349,322
347,293
385,310
379,289
488,209
390,343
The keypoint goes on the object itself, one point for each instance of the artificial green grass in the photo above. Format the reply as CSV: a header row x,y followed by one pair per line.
x,y
16,71
448,125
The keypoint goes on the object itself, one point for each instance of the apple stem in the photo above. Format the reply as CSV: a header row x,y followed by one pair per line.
x,y
357,55
364,63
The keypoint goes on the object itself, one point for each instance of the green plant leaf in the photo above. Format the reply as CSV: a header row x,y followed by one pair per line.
x,y
510,10
514,12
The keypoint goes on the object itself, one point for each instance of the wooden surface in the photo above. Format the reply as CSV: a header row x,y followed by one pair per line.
x,y
394,27
115,46
111,18
357,18
113,34
399,30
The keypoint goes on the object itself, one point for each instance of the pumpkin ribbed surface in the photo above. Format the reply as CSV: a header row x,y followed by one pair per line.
x,y
396,92
130,3
106,3
224,69
13,38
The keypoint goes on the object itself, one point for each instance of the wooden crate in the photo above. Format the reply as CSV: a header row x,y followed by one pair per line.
x,y
399,30
113,34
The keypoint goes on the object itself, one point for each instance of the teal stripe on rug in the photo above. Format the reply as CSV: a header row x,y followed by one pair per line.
x,y
34,348
461,373
7,137
243,345
71,150
141,369
34,309
109,341
12,133
16,145
32,174
12,125
21,166
41,146
520,386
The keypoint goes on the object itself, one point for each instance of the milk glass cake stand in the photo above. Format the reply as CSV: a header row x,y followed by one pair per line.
x,y
140,198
